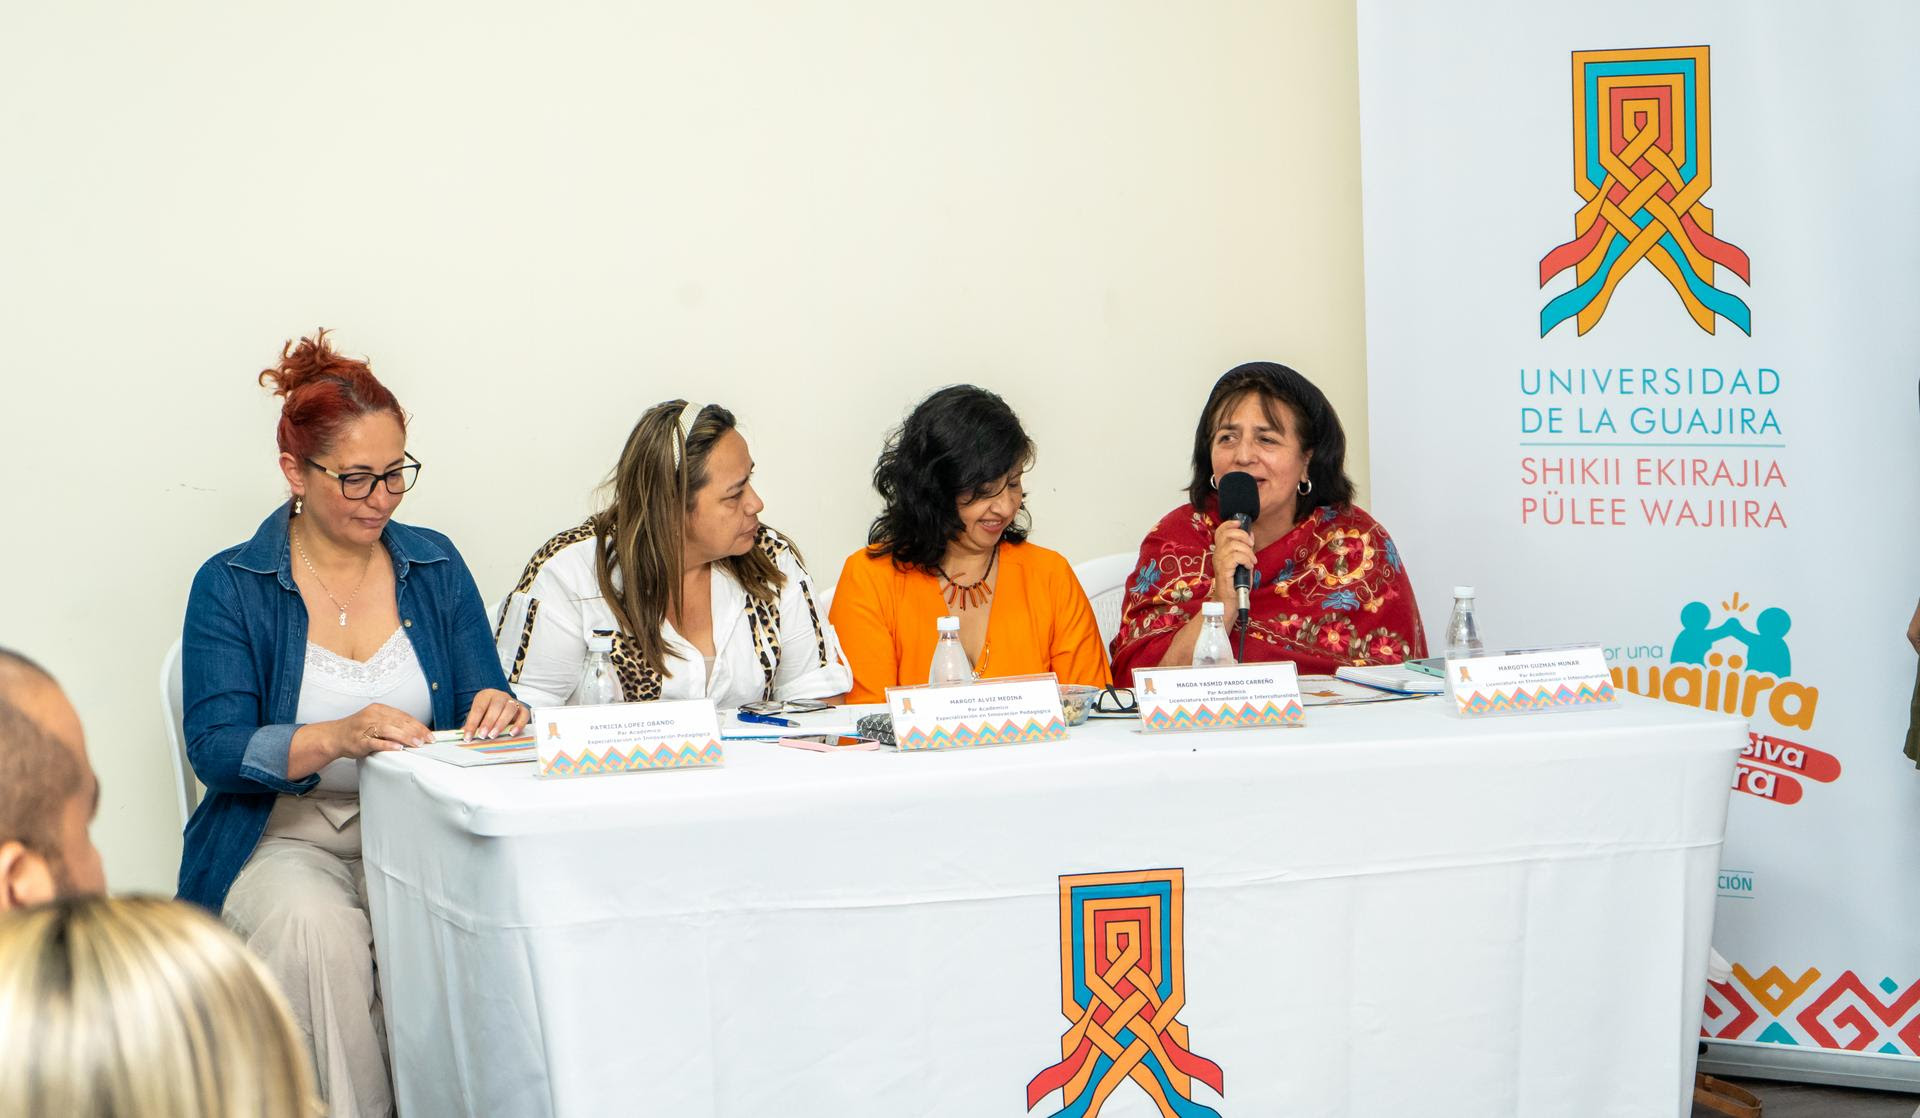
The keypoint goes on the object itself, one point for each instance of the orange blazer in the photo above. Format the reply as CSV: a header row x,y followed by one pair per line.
x,y
1041,622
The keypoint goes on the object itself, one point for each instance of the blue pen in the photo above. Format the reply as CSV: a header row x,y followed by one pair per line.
x,y
767,719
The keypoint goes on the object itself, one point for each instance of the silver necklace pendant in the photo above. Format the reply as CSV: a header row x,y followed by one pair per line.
x,y
343,619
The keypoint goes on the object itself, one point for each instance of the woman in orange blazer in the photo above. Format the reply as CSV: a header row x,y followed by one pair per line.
x,y
952,539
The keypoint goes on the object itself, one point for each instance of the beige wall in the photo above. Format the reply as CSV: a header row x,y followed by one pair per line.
x,y
538,219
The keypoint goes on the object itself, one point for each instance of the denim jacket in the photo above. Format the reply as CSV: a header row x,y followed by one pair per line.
x,y
241,660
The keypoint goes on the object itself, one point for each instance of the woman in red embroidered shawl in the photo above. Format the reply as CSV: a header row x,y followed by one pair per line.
x,y
1328,585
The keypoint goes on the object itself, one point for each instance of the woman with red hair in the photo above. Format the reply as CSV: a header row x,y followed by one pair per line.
x,y
334,633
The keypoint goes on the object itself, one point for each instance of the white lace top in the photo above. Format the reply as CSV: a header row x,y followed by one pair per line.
x,y
335,687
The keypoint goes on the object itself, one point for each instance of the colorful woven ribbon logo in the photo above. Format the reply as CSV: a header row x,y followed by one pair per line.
x,y
1643,159
1122,983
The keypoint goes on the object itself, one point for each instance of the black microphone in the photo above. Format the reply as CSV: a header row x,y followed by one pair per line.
x,y
1240,499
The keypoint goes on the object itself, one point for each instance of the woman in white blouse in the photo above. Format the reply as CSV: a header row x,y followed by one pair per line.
x,y
701,599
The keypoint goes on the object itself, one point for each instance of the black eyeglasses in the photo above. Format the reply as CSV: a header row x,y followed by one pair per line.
x,y
358,486
1115,700
787,706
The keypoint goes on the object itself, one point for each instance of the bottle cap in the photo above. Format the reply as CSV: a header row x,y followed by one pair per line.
x,y
600,641
1212,609
1463,591
948,624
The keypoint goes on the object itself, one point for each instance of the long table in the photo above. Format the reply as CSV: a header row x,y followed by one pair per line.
x,y
1389,911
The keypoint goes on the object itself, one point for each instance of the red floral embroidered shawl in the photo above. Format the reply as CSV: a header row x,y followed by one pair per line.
x,y
1330,592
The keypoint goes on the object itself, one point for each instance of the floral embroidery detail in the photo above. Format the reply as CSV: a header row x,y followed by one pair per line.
x,y
1146,579
1333,634
1384,647
1344,555
1343,599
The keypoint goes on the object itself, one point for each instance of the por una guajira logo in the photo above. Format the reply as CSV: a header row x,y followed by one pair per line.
x,y
1122,987
1742,667
1642,162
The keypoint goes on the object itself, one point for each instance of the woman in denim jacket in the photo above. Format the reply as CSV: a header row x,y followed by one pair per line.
x,y
332,634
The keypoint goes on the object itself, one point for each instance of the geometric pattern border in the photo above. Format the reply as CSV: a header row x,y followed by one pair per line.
x,y
1842,1013
687,755
967,735
1227,715
1523,698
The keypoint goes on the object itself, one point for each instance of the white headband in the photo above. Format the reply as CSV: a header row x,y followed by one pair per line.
x,y
679,436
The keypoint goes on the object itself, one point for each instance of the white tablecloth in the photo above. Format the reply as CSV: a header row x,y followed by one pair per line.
x,y
1387,912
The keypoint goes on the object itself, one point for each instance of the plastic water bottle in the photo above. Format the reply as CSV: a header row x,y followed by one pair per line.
x,y
598,683
1212,649
950,664
1463,634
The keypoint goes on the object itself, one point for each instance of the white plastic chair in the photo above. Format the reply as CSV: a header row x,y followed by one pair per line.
x,y
1105,581
185,787
823,598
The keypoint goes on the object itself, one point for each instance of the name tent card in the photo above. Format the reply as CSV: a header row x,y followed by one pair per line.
x,y
997,712
627,737
1530,681
1226,698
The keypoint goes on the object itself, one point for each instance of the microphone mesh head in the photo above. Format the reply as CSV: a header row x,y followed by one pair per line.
x,y
1239,495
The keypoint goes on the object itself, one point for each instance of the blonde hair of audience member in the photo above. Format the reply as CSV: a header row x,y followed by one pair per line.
x,y
136,1005
643,532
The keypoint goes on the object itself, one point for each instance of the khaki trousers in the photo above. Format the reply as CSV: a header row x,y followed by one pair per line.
x,y
300,903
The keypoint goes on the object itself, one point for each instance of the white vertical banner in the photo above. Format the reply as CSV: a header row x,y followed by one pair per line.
x,y
1643,342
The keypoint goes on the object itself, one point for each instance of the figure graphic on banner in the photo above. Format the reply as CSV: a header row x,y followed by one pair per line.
x,y
1766,642
1695,639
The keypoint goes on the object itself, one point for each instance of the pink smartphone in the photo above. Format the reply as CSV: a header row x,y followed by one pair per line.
x,y
830,743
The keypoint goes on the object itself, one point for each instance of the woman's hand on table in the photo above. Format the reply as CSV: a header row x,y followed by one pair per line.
x,y
494,714
376,729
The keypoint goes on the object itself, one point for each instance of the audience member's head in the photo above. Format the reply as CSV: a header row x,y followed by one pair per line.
x,y
135,1005
47,790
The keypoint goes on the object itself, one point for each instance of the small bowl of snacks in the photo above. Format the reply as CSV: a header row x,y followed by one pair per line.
x,y
1076,702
